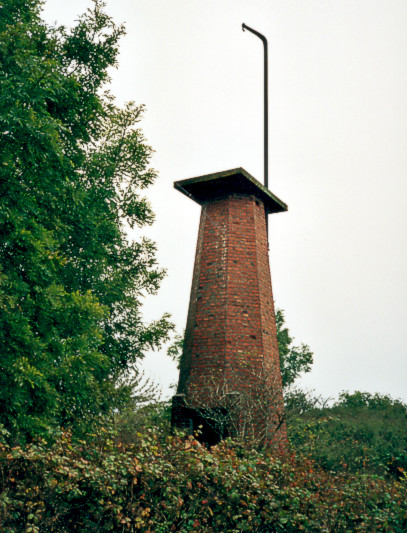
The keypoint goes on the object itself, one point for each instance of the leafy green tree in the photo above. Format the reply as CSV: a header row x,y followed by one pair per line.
x,y
294,360
71,168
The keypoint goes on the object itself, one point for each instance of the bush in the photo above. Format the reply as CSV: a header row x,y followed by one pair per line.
x,y
361,432
163,483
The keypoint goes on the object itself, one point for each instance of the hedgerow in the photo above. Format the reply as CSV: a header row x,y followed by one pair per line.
x,y
162,483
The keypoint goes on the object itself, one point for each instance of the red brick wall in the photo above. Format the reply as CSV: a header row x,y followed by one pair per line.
x,y
231,338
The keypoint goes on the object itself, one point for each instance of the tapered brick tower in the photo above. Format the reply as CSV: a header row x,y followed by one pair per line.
x,y
230,380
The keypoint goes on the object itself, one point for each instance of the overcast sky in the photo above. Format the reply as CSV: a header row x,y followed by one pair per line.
x,y
338,158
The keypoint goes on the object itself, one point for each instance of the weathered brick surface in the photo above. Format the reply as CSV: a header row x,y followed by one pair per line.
x,y
231,338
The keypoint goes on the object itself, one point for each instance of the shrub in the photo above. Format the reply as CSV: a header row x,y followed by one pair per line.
x,y
163,483
361,432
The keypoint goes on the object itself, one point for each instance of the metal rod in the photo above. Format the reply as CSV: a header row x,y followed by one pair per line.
x,y
266,120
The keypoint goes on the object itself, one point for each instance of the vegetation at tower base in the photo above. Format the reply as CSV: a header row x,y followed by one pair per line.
x,y
71,168
231,409
162,483
249,411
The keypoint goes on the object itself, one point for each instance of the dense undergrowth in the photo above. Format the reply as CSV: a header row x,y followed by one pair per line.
x,y
148,480
360,432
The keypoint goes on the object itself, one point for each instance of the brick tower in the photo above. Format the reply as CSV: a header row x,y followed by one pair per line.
x,y
230,380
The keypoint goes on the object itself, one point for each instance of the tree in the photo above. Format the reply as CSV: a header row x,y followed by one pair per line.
x,y
294,360
71,167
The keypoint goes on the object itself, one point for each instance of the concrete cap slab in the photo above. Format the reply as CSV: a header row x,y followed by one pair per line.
x,y
205,188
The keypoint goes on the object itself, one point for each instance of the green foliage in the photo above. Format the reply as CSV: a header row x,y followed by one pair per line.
x,y
71,167
155,415
361,432
294,360
174,351
164,483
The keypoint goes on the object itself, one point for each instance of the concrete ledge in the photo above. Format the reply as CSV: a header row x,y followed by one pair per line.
x,y
204,188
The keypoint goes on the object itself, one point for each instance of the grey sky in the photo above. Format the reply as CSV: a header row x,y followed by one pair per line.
x,y
338,158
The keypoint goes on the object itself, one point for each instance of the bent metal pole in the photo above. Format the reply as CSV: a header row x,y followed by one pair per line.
x,y
260,36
